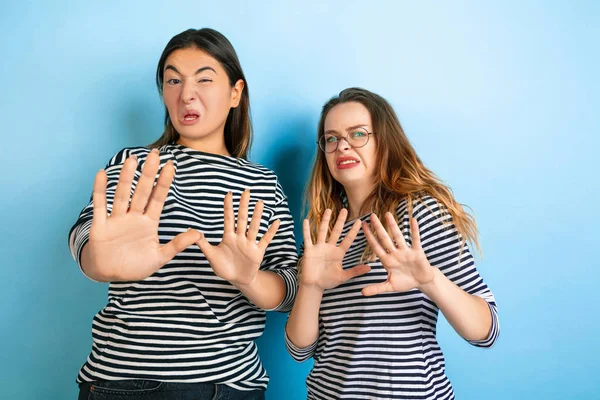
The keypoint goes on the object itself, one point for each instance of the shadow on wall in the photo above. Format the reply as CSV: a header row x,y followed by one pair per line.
x,y
291,157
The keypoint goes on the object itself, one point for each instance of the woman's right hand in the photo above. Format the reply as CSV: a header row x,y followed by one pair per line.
x,y
124,246
321,265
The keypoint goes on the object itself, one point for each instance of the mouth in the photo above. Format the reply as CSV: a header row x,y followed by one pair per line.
x,y
190,118
347,162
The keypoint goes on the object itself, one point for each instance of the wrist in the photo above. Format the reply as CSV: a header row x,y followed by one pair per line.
x,y
312,289
248,285
430,286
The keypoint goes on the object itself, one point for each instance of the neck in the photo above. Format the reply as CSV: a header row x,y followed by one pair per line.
x,y
213,143
356,199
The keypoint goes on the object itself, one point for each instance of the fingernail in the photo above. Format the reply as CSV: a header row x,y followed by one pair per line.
x,y
134,157
154,150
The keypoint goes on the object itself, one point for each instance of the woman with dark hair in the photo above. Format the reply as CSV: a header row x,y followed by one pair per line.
x,y
181,319
367,304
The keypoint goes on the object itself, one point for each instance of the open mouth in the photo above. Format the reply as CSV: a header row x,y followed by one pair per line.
x,y
190,118
347,162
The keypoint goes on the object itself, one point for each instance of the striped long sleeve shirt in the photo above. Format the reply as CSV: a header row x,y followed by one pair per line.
x,y
385,347
184,323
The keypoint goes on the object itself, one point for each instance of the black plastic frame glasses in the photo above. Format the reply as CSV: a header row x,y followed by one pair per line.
x,y
348,138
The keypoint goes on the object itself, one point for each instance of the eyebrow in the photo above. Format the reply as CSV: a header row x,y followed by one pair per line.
x,y
207,68
329,131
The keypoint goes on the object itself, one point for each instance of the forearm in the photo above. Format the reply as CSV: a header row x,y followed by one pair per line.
x,y
267,291
469,315
302,327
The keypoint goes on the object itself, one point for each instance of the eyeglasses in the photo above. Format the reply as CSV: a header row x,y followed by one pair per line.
x,y
356,139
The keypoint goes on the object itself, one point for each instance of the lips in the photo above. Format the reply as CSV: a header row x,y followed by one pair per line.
x,y
347,162
190,117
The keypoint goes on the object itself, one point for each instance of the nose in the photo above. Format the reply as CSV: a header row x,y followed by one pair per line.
x,y
188,93
343,144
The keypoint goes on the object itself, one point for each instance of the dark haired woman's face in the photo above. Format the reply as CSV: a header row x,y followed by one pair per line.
x,y
352,167
198,96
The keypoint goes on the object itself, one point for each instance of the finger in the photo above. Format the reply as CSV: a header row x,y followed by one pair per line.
x,y
99,197
372,240
396,232
123,192
160,191
144,186
324,226
337,228
255,222
242,220
306,233
350,236
205,246
382,235
267,237
354,272
377,288
178,244
229,217
415,235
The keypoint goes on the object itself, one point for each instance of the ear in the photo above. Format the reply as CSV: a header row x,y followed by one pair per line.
x,y
236,93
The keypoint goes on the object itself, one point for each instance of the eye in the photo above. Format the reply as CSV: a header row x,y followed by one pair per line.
x,y
330,139
173,81
358,134
204,80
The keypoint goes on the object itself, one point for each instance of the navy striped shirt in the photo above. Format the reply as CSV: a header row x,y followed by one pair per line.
x,y
183,323
385,347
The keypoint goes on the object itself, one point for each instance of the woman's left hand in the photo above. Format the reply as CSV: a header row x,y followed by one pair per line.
x,y
407,267
238,257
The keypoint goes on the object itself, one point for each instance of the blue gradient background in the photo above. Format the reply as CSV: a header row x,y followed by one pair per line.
x,y
501,100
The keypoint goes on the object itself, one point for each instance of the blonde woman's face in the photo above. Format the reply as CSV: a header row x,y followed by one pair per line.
x,y
353,167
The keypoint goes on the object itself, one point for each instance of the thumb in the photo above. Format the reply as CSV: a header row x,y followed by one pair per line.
x,y
353,272
377,288
178,244
204,245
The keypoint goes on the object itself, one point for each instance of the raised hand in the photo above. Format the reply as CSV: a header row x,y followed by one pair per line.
x,y
321,265
407,267
238,257
124,246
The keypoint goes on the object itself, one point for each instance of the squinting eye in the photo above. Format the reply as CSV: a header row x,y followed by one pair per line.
x,y
173,81
204,80
330,139
358,134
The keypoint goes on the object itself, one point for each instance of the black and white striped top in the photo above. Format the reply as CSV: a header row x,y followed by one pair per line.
x,y
384,347
183,323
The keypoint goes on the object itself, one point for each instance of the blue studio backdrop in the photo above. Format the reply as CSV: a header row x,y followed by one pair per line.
x,y
501,100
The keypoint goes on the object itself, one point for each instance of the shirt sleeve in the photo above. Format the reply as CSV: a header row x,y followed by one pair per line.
x,y
281,256
80,232
300,354
444,248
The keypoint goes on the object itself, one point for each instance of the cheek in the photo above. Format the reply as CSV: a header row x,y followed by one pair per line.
x,y
329,161
170,100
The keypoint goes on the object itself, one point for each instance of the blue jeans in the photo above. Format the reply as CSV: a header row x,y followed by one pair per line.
x,y
153,390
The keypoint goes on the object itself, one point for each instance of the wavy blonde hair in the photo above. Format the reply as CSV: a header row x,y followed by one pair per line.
x,y
401,174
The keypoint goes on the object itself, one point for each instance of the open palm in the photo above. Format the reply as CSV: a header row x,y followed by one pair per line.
x,y
124,246
407,267
238,257
321,265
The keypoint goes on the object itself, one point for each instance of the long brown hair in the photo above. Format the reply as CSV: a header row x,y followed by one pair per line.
x,y
238,127
401,174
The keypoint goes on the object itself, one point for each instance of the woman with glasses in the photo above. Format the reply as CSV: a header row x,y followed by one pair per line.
x,y
182,318
368,300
